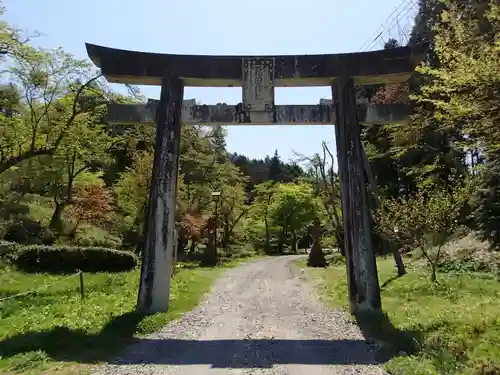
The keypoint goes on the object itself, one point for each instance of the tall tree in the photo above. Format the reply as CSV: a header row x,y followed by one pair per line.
x,y
293,210
50,93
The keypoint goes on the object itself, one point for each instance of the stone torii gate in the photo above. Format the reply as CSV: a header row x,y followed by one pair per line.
x,y
258,76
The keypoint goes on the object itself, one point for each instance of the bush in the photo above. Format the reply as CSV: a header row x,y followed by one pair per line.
x,y
90,236
71,259
27,231
238,252
469,254
8,250
316,256
4,227
424,221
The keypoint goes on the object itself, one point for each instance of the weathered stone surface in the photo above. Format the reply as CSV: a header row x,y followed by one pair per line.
x,y
141,68
159,231
258,84
364,290
258,75
222,113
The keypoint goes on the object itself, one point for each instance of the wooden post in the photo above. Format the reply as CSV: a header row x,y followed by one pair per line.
x,y
82,290
159,228
363,285
176,244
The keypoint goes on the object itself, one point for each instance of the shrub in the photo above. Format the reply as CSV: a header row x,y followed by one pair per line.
x,y
423,221
28,231
238,252
469,254
90,236
316,256
4,227
9,250
71,259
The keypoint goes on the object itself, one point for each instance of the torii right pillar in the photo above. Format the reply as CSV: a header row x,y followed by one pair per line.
x,y
362,276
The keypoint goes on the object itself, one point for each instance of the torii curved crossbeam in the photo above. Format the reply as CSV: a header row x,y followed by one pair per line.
x,y
144,68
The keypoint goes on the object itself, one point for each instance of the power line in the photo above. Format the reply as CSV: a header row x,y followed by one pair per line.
x,y
409,10
381,27
389,28
404,8
401,14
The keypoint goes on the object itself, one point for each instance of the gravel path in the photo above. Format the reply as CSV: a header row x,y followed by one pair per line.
x,y
260,318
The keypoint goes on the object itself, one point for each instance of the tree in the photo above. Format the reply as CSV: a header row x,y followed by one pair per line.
x,y
264,194
271,168
327,186
232,202
86,148
316,257
13,43
92,204
463,90
50,91
293,210
131,191
486,202
425,220
217,139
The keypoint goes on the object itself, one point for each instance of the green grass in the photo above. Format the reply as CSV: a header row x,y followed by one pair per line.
x,y
55,331
450,328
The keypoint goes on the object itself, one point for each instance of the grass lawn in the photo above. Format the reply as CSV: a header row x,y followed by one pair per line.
x,y
54,331
450,328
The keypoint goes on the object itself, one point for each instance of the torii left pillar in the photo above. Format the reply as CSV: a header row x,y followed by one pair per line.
x,y
159,231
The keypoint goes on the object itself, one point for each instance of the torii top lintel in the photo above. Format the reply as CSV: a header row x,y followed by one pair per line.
x,y
142,68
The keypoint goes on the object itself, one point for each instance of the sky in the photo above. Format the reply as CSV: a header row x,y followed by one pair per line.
x,y
223,27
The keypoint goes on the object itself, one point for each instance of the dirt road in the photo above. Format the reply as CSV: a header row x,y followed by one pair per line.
x,y
260,318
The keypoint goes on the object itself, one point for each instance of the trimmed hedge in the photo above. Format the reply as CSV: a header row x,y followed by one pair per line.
x,y
68,259
9,250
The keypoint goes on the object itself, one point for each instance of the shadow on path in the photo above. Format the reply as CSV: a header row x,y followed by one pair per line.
x,y
253,353
63,344
378,326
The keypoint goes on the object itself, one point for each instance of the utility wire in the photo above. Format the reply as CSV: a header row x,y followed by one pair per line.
x,y
401,15
41,288
393,22
381,28
402,10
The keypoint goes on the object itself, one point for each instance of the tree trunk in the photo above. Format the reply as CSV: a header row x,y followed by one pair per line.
x,y
210,253
433,272
294,241
281,240
398,259
192,248
226,236
431,263
267,234
56,223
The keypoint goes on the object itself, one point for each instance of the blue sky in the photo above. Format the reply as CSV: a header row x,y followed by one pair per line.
x,y
226,27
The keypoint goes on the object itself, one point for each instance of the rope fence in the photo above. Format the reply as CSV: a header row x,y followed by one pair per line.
x,y
80,274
